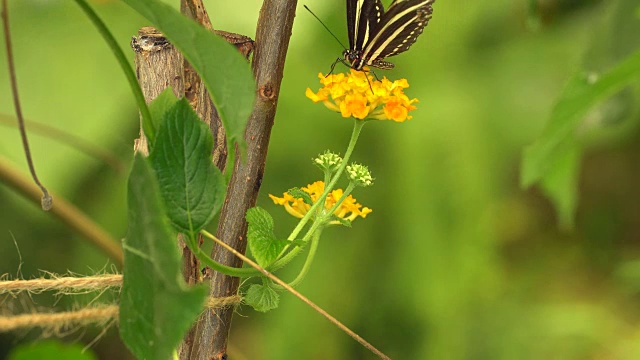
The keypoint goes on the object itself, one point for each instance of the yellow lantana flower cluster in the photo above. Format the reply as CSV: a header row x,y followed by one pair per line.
x,y
348,210
359,95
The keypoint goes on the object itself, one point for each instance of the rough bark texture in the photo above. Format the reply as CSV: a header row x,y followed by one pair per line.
x,y
272,41
200,100
158,65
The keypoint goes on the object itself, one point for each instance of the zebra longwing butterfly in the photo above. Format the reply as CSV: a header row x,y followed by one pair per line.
x,y
375,34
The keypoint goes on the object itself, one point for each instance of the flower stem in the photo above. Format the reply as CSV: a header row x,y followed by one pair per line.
x,y
357,128
315,240
346,193
205,259
358,124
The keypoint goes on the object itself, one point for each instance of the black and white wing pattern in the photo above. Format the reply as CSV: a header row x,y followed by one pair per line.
x,y
363,17
375,35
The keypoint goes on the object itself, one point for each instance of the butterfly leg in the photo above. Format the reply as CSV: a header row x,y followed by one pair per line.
x,y
333,66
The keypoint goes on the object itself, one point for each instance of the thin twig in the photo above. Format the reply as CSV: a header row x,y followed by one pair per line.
x,y
300,296
46,202
66,212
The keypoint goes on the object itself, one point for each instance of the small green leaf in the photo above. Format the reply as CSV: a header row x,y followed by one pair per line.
x,y
581,94
262,298
161,105
224,71
156,306
263,243
343,222
301,194
51,350
191,186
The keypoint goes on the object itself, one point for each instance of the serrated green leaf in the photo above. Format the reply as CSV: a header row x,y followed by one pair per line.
x,y
161,104
262,298
51,350
263,243
156,306
579,97
191,186
301,194
224,71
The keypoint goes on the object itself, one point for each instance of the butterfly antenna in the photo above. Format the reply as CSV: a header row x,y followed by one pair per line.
x,y
325,26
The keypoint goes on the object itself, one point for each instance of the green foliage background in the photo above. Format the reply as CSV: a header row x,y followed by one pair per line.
x,y
456,261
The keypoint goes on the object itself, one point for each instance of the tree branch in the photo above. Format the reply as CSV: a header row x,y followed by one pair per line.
x,y
272,41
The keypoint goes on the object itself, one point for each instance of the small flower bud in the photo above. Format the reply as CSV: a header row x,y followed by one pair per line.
x,y
328,161
359,174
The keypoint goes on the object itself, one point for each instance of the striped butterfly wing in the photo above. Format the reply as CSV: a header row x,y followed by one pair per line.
x,y
363,17
398,29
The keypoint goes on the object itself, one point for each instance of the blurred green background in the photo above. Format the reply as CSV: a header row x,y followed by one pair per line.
x,y
455,262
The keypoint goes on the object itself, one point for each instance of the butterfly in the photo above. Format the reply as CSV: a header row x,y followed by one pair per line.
x,y
375,35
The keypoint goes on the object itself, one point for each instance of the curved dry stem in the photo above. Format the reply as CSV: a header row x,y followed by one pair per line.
x,y
46,201
66,212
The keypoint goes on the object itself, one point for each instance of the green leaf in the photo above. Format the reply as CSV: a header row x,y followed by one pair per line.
x,y
343,222
224,71
51,350
161,105
263,243
262,298
561,186
191,186
156,306
581,94
301,194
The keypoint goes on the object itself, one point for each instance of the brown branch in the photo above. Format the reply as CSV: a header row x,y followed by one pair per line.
x,y
199,98
158,65
272,41
67,213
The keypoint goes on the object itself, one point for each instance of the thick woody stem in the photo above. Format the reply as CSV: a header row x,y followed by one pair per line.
x,y
198,97
272,41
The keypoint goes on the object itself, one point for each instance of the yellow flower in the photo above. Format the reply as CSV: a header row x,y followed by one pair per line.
x,y
354,105
349,209
398,107
358,95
